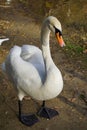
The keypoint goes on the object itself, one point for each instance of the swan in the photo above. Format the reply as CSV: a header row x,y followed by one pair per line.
x,y
2,40
34,73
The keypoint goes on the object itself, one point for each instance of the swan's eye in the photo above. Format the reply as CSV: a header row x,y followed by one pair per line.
x,y
58,31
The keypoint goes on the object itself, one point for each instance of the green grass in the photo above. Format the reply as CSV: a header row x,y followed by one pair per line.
x,y
75,52
74,49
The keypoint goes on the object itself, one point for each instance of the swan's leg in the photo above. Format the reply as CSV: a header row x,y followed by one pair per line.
x,y
28,120
47,112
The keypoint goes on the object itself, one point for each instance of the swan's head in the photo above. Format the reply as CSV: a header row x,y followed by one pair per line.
x,y
55,26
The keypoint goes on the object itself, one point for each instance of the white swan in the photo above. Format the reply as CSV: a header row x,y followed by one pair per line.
x,y
2,40
33,71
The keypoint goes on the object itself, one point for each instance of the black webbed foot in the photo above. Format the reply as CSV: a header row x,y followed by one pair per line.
x,y
47,112
28,120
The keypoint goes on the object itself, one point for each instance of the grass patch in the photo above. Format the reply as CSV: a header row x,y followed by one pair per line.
x,y
74,49
74,53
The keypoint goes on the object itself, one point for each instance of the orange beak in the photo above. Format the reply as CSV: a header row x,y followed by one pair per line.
x,y
60,40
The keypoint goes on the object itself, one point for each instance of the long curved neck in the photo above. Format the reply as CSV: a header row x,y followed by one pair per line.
x,y
45,33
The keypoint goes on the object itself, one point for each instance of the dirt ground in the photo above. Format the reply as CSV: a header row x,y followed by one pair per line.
x,y
71,103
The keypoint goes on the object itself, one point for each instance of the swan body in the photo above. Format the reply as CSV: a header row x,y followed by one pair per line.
x,y
33,71
2,40
29,75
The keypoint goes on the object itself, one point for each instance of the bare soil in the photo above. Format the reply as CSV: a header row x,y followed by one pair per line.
x,y
71,103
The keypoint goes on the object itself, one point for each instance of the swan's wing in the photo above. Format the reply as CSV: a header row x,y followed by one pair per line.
x,y
23,73
28,51
34,56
